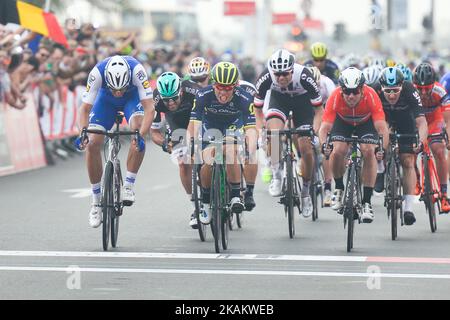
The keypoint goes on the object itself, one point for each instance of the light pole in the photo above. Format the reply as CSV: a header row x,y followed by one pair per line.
x,y
48,4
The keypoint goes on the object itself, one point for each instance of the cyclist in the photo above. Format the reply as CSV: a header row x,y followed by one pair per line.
x,y
437,111
404,113
372,74
175,99
116,83
292,88
354,108
327,67
326,89
407,73
445,82
223,110
198,72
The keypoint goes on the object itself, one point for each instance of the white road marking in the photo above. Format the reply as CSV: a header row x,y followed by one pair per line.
x,y
79,193
213,256
233,272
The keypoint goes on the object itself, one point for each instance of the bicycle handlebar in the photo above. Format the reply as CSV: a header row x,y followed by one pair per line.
x,y
300,132
113,134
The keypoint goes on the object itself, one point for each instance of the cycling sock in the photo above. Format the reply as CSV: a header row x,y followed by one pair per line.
x,y
250,188
96,193
443,188
367,195
130,179
235,190
305,188
339,183
206,195
276,171
409,201
328,186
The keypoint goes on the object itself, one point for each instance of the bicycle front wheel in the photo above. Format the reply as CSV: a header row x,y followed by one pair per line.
x,y
393,195
107,203
289,197
216,220
428,196
117,210
350,209
196,197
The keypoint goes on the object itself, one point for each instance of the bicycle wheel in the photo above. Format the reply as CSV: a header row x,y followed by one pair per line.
x,y
393,195
428,196
117,210
289,197
349,207
314,195
107,203
225,209
216,208
196,197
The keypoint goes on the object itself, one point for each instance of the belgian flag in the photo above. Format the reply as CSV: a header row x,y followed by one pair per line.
x,y
32,18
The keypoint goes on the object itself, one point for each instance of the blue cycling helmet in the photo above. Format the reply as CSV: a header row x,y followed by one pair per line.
x,y
407,73
391,77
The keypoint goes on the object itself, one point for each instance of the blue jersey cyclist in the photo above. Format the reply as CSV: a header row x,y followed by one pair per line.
x,y
118,83
222,111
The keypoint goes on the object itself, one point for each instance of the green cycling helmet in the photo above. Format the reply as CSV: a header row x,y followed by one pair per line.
x,y
168,84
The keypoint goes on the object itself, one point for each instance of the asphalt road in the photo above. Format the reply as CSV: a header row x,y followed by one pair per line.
x,y
48,251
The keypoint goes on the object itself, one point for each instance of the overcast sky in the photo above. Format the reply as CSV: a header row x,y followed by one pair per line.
x,y
354,13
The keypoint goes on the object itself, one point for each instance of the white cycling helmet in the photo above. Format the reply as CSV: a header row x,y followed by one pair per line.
x,y
351,78
117,73
371,74
198,68
378,62
281,61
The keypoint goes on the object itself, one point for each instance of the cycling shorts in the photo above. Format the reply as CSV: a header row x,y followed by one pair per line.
x,y
342,130
281,104
103,113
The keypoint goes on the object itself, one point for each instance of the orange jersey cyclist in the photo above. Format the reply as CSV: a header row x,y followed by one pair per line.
x,y
354,109
437,112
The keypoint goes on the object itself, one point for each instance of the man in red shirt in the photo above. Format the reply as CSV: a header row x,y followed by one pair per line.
x,y
354,109
436,106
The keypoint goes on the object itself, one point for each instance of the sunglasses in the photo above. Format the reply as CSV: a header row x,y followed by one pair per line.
x,y
174,99
425,88
391,90
282,74
223,88
319,60
348,92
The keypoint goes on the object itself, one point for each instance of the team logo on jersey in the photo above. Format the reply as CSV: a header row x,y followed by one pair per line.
x,y
141,75
88,88
146,84
251,109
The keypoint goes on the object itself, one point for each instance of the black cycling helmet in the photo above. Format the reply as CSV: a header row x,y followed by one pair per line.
x,y
392,77
424,74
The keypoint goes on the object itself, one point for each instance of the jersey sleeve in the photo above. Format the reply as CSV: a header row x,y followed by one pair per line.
x,y
157,122
248,111
307,81
376,107
141,82
263,84
93,86
329,114
415,102
198,107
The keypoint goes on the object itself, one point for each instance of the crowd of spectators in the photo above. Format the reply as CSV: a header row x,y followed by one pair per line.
x,y
28,59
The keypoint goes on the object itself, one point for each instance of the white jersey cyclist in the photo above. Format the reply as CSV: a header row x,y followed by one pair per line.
x,y
302,83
